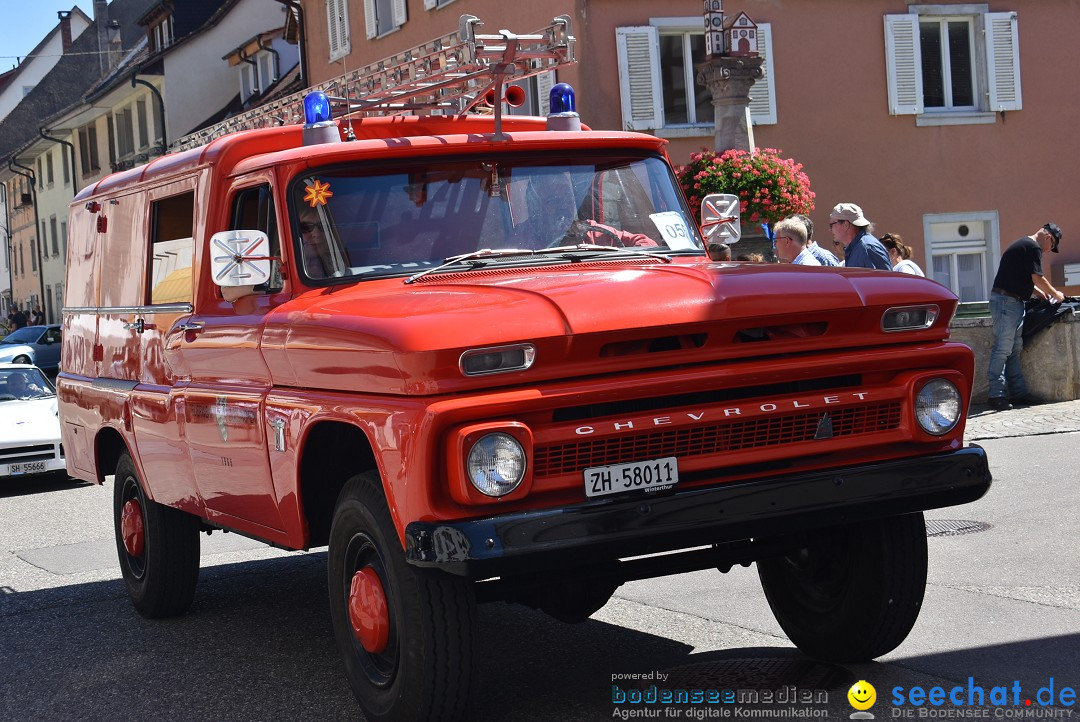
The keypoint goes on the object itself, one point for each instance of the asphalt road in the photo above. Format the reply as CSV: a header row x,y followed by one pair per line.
x,y
1002,607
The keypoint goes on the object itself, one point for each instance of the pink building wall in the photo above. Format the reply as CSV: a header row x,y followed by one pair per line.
x,y
832,107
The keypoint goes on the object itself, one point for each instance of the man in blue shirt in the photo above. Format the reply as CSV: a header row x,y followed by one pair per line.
x,y
824,257
861,250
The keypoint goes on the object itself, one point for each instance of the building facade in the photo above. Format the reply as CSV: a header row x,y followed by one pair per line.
x,y
944,121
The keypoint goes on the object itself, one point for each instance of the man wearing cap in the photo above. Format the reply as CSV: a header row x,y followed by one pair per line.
x,y
1019,275
861,250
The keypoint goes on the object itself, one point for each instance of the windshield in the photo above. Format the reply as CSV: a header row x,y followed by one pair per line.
x,y
27,383
400,219
28,334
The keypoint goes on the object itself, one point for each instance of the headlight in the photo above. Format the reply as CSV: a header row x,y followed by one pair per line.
x,y
909,318
937,407
496,464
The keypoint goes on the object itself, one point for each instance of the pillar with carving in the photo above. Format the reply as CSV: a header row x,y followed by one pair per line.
x,y
730,79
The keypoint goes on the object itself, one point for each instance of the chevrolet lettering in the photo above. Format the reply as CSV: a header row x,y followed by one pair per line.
x,y
692,416
484,357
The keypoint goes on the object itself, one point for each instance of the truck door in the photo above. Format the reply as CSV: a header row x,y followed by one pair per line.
x,y
157,250
225,420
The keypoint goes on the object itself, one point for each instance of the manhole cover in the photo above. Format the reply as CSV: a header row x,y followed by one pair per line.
x,y
954,527
764,673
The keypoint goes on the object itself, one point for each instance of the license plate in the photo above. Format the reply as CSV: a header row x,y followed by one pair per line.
x,y
26,467
618,478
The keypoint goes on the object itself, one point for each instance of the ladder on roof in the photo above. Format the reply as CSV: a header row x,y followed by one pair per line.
x,y
449,75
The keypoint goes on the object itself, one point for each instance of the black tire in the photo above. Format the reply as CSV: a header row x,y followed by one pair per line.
x,y
21,360
425,670
854,592
161,581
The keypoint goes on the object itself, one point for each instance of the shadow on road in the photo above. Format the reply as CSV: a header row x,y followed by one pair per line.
x,y
21,486
258,645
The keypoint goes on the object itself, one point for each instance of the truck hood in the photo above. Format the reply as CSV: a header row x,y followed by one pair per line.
x,y
390,337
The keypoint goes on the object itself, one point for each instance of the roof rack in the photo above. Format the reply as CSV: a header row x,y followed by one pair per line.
x,y
450,75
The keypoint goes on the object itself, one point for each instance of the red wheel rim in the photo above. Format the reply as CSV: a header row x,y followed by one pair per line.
x,y
131,528
368,611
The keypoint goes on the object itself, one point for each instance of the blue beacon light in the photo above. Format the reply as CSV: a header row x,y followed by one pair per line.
x,y
562,108
319,126
561,99
316,108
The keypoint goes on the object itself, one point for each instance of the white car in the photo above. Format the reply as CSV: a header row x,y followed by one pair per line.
x,y
29,424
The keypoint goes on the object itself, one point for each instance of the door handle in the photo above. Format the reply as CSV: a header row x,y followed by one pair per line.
x,y
138,325
190,326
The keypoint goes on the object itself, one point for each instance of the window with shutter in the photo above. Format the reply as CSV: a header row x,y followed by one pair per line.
x,y
383,16
337,19
639,77
658,80
952,64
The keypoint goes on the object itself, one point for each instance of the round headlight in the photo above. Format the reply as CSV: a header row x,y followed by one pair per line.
x,y
937,407
496,464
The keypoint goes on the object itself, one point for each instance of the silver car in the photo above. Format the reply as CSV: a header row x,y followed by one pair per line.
x,y
35,345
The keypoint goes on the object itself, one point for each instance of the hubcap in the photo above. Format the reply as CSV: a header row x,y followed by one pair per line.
x,y
368,611
131,528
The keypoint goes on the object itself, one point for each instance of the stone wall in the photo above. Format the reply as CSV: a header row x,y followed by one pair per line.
x,y
1051,360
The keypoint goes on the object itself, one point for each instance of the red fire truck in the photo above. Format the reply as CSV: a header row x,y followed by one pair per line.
x,y
485,357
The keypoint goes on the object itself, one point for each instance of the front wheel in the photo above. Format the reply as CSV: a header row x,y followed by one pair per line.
x,y
158,547
21,360
405,634
852,593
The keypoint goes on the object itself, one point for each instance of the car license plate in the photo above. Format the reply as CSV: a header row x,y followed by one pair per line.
x,y
617,478
26,467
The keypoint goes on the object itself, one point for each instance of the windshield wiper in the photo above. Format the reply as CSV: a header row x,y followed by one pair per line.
x,y
484,253
633,250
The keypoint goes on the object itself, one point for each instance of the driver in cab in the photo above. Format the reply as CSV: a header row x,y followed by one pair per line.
x,y
553,217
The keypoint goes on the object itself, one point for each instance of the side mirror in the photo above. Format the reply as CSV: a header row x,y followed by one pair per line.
x,y
239,261
720,218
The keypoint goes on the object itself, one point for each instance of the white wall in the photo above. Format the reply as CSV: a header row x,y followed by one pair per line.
x,y
33,69
197,81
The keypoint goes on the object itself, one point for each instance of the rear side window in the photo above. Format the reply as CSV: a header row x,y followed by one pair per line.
x,y
172,249
253,210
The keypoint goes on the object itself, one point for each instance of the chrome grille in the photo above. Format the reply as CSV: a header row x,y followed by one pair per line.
x,y
766,432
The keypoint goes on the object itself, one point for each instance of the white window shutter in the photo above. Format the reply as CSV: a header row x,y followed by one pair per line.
x,y
332,29
1002,61
431,4
544,83
371,23
763,91
903,64
337,24
639,77
401,14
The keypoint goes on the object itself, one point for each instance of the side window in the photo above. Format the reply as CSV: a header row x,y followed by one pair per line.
x,y
172,249
52,335
253,210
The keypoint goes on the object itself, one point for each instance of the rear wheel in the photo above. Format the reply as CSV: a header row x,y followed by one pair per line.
x,y
405,634
853,592
158,547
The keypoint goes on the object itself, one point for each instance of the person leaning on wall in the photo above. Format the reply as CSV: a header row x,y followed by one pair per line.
x,y
1019,275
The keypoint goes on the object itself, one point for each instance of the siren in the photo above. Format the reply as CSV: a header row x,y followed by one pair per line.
x,y
562,105
319,126
514,96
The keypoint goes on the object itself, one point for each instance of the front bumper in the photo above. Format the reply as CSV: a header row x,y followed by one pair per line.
x,y
599,531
